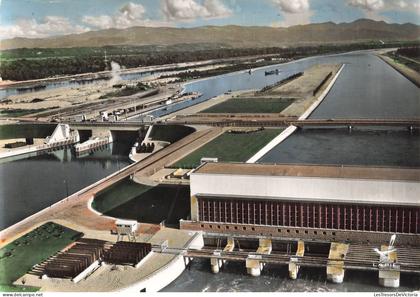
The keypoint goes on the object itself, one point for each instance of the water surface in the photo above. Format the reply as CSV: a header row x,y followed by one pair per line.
x,y
31,184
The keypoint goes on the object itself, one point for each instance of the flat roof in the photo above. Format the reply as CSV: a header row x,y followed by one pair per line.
x,y
327,171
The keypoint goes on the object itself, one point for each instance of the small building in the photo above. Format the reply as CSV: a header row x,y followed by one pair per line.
x,y
126,228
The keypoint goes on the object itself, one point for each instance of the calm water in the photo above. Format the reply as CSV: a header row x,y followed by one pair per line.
x,y
274,278
366,88
29,185
340,147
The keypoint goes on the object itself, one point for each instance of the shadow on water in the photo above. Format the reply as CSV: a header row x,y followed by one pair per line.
x,y
129,200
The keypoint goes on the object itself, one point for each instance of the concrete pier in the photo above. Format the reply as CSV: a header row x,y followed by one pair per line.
x,y
293,264
335,267
217,263
389,273
253,263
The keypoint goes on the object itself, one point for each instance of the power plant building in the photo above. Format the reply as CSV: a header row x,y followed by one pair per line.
x,y
310,202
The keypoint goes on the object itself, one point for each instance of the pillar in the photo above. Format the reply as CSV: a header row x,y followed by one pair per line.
x,y
335,265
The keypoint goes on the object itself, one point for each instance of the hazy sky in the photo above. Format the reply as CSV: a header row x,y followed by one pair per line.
x,y
40,18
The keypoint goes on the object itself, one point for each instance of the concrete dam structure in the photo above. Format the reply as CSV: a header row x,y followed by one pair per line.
x,y
352,209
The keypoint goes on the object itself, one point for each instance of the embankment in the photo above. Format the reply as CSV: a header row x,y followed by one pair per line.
x,y
410,74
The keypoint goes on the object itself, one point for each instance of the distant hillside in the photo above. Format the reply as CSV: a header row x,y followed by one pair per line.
x,y
232,36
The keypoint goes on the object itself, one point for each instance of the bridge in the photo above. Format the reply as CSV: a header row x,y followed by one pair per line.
x,y
119,126
282,121
257,121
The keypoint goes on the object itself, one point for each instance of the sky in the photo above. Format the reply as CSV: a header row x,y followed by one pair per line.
x,y
43,18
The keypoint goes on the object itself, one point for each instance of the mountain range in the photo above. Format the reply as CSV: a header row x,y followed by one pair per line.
x,y
362,30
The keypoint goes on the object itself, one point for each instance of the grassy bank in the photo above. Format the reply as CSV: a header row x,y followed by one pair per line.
x,y
403,67
129,200
26,130
18,257
250,105
230,147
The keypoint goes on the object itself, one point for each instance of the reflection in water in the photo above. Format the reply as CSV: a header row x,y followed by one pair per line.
x,y
32,184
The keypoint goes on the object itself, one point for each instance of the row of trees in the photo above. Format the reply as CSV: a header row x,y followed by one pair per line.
x,y
411,52
93,61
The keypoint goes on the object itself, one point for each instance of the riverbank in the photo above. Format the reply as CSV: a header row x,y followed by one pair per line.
x,y
409,73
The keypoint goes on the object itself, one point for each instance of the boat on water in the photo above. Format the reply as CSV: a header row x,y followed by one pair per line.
x,y
271,72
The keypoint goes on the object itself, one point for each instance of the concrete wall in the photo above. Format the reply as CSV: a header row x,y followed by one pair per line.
x,y
61,132
307,188
298,233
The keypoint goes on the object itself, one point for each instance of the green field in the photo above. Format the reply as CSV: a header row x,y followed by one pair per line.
x,y
7,288
230,147
250,105
133,201
26,130
19,256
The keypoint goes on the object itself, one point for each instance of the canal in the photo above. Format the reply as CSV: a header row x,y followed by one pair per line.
x,y
33,183
366,88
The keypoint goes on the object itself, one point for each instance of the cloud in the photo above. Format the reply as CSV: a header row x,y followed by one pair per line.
x,y
129,15
189,10
294,19
381,5
293,12
50,25
403,5
292,6
373,8
369,5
